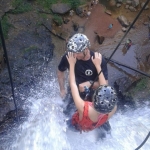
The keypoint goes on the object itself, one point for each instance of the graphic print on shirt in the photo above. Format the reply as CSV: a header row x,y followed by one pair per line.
x,y
88,72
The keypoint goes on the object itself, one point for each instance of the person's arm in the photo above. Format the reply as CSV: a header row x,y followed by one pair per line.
x,y
74,89
61,81
62,67
96,61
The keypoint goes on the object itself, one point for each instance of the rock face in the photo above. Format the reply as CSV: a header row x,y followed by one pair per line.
x,y
5,6
28,60
131,8
60,8
30,49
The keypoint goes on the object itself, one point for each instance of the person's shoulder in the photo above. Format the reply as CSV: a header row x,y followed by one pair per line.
x,y
64,55
91,53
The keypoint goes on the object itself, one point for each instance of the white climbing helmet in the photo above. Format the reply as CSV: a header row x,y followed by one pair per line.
x,y
105,99
78,43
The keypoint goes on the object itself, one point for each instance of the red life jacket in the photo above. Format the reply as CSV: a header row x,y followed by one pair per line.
x,y
86,124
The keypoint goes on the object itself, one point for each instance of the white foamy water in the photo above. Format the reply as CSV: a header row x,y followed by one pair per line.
x,y
46,129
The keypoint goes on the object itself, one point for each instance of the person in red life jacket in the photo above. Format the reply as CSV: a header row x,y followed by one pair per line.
x,y
91,115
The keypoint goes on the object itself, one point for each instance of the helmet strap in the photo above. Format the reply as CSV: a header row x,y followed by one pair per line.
x,y
84,54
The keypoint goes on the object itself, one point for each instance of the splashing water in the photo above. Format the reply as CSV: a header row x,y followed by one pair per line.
x,y
46,129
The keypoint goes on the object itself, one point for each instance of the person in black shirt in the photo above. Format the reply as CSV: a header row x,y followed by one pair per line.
x,y
85,71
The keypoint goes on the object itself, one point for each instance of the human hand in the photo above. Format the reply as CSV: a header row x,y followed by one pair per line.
x,y
97,60
63,93
71,59
82,85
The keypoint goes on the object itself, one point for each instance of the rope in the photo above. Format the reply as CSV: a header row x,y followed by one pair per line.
x,y
122,39
148,135
9,71
138,71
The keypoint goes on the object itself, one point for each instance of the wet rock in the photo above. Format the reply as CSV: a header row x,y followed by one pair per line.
x,y
60,8
124,83
124,29
29,54
75,26
108,12
127,6
118,5
5,6
11,119
47,23
79,11
124,102
135,3
142,4
131,8
2,60
128,2
123,21
5,106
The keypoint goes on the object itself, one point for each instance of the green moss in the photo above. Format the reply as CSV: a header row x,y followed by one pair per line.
x,y
46,4
74,3
42,15
5,27
58,20
140,86
32,47
20,6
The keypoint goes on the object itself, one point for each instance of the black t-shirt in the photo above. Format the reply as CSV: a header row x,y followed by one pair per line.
x,y
84,70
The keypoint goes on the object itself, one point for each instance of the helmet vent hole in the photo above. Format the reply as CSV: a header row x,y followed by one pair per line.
x,y
104,90
109,105
112,92
102,103
114,100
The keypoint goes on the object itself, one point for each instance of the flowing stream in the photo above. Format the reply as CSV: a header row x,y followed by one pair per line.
x,y
45,128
